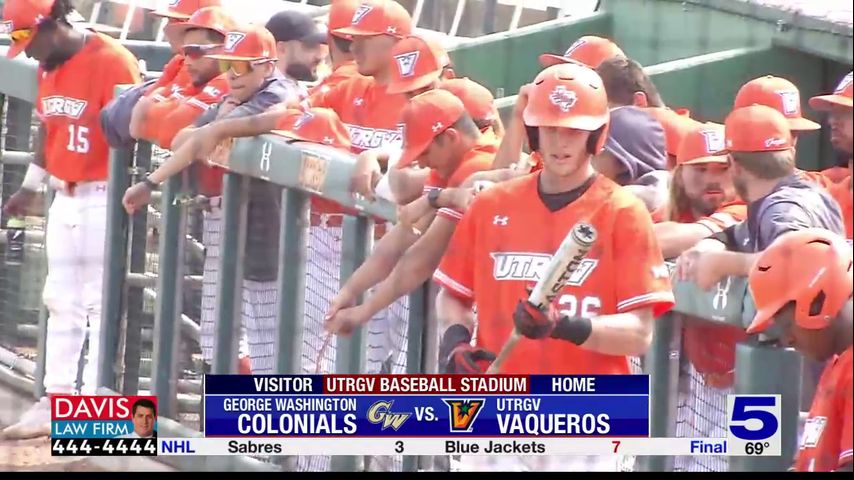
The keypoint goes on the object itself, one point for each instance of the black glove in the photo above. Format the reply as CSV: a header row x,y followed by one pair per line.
x,y
536,323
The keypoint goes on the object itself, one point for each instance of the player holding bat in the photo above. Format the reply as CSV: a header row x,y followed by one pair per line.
x,y
504,242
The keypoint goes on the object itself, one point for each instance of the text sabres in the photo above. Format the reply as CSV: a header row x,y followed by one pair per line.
x,y
529,267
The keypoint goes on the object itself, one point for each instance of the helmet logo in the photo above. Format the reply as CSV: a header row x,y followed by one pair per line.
x,y
562,98
232,40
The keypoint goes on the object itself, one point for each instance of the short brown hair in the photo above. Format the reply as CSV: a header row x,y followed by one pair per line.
x,y
766,165
623,77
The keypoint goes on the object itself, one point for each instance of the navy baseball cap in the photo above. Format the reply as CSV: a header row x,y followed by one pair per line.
x,y
290,25
636,139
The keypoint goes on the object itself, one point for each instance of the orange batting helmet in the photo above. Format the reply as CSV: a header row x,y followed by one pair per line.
x,y
810,267
569,95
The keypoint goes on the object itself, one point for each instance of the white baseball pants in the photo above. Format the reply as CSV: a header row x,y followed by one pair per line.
x,y
75,244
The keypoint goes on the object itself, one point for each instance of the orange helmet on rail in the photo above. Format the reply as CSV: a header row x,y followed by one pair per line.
x,y
810,267
569,95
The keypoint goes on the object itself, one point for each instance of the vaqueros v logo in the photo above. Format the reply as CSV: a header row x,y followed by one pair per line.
x,y
380,413
463,413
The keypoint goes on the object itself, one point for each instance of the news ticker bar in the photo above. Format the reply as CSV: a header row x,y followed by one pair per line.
x,y
465,446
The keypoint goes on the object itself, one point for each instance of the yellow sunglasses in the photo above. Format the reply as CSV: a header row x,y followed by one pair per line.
x,y
239,68
22,35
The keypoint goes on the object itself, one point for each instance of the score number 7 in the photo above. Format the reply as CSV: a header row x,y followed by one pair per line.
x,y
616,445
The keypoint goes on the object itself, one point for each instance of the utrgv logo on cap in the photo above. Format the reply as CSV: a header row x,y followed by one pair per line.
x,y
360,13
714,141
578,43
844,83
174,3
303,119
791,101
233,39
6,27
406,63
562,98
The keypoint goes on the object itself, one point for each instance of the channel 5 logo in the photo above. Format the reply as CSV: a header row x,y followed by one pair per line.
x,y
753,417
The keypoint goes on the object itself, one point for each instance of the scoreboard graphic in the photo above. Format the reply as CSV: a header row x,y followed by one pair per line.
x,y
84,425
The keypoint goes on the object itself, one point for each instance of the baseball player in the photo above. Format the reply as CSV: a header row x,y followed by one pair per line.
x,y
441,136
175,76
299,45
75,152
802,283
779,200
248,58
158,119
343,66
589,50
606,312
838,107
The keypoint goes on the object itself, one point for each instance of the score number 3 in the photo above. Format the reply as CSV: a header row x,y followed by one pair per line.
x,y
78,139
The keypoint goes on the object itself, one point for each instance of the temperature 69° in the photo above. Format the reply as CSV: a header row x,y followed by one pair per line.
x,y
755,448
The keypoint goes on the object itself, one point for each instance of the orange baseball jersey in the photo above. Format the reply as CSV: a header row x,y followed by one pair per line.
x,y
174,77
165,119
836,174
75,147
815,177
344,72
371,114
507,237
841,192
826,441
477,159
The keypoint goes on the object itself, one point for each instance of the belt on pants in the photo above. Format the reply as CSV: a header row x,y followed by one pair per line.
x,y
73,189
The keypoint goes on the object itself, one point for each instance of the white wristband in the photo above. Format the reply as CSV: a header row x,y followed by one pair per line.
x,y
34,178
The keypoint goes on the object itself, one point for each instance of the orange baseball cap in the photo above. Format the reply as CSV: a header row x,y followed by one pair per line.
x,y
705,143
676,126
23,16
779,94
340,15
840,97
476,98
426,116
417,63
315,125
184,9
253,43
210,18
378,17
757,128
589,50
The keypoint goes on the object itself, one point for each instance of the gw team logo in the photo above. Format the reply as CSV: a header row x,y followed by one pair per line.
x,y
562,98
753,424
463,413
360,13
232,40
406,63
380,413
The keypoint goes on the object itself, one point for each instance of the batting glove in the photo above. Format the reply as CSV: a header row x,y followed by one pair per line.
x,y
457,355
537,323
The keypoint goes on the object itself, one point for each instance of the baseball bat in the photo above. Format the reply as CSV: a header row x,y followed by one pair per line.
x,y
562,265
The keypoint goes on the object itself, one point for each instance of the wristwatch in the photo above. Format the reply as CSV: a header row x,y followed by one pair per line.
x,y
433,197
151,185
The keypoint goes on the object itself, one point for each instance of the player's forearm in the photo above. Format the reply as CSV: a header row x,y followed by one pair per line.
x,y
407,184
247,126
181,158
182,137
452,310
382,260
674,238
511,145
624,334
414,268
735,264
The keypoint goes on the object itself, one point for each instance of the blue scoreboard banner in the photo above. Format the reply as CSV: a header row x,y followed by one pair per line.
x,y
426,406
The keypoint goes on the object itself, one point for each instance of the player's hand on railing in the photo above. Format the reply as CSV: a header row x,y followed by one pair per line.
x,y
409,215
19,204
136,196
205,141
344,299
347,320
699,264
366,175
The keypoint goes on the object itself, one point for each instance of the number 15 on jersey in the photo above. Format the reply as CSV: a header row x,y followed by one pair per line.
x,y
753,425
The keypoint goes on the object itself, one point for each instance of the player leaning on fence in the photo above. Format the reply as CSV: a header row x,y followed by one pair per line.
x,y
802,284
248,58
72,149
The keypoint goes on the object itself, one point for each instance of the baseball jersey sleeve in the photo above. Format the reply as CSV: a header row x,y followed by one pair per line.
x,y
327,97
170,72
456,271
643,280
476,163
183,114
780,218
847,412
124,71
726,216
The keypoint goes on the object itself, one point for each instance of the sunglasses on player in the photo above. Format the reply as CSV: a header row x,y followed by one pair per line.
x,y
22,35
195,52
238,68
